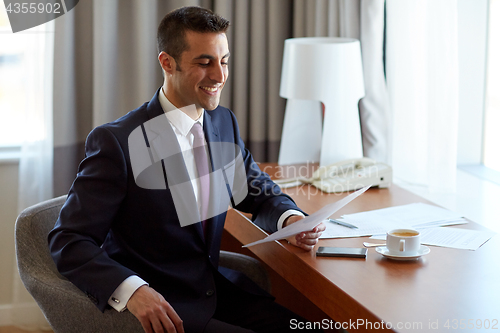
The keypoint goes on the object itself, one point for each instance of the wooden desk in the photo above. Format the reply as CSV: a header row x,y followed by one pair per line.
x,y
441,288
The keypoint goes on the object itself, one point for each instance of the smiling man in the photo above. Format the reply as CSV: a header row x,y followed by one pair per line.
x,y
195,77
123,244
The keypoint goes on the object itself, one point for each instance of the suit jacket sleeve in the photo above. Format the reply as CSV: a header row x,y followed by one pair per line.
x,y
86,217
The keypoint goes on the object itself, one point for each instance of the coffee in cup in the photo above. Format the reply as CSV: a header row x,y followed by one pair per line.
x,y
403,241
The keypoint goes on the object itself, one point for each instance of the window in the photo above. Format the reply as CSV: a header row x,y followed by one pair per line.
x,y
23,65
11,81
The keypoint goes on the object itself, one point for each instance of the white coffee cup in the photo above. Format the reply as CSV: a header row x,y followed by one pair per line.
x,y
403,241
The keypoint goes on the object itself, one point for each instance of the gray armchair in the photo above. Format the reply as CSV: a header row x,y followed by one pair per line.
x,y
64,305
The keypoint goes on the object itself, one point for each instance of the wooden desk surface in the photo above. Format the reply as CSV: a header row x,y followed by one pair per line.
x,y
447,287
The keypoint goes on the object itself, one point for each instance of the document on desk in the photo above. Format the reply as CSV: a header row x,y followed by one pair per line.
x,y
311,221
338,231
465,239
415,215
379,221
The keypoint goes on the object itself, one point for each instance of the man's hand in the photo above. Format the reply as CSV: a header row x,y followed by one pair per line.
x,y
304,240
154,313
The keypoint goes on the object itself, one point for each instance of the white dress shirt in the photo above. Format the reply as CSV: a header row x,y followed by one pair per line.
x,y
181,124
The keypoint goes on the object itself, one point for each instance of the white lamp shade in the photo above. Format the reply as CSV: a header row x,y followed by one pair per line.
x,y
328,70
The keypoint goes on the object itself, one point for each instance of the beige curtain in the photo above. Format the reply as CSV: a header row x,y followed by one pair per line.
x,y
105,56
259,28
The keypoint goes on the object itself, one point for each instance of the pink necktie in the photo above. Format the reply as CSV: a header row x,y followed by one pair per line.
x,y
201,160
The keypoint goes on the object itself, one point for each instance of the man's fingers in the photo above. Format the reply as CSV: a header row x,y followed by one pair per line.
x,y
159,322
172,322
154,312
151,323
307,244
316,232
176,320
308,241
163,319
309,235
306,247
320,227
159,325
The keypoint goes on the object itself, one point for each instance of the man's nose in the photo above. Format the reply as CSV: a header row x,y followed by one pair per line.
x,y
217,73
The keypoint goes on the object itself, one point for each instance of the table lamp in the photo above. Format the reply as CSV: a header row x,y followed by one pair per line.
x,y
321,70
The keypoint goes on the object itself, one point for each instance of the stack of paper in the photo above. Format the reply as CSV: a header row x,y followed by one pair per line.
x,y
377,222
415,215
424,217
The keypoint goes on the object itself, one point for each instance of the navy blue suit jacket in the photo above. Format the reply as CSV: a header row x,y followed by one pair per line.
x,y
110,228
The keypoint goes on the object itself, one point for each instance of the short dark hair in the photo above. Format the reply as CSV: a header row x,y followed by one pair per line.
x,y
172,29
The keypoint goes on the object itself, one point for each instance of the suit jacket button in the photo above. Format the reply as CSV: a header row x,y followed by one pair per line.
x,y
209,292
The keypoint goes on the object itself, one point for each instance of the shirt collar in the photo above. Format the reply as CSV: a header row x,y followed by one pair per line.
x,y
179,119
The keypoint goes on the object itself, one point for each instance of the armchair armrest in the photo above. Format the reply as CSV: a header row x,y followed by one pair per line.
x,y
249,266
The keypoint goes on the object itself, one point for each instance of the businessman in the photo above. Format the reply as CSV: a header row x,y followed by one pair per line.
x,y
123,242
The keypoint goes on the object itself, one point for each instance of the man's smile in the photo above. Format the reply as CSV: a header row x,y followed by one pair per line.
x,y
211,90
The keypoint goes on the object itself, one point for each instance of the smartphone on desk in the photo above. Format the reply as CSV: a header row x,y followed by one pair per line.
x,y
346,252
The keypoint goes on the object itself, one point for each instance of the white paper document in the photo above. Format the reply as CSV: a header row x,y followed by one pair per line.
x,y
452,237
311,221
415,215
379,221
338,231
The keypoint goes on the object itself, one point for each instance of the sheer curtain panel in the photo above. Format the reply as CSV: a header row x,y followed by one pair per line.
x,y
422,76
36,162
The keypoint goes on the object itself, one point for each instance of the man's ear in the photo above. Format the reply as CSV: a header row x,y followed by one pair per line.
x,y
167,62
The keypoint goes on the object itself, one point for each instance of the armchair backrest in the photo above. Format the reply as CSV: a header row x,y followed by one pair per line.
x,y
66,307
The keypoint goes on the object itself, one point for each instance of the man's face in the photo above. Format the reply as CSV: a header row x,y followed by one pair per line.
x,y
203,71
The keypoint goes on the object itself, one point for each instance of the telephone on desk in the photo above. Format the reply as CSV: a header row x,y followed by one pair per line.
x,y
344,176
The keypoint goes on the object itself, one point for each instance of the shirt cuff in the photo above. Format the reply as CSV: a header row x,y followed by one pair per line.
x,y
125,290
286,215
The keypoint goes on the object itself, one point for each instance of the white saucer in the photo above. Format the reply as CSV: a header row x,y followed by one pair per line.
x,y
385,252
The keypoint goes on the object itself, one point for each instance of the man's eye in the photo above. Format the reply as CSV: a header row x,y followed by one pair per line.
x,y
224,63
204,64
